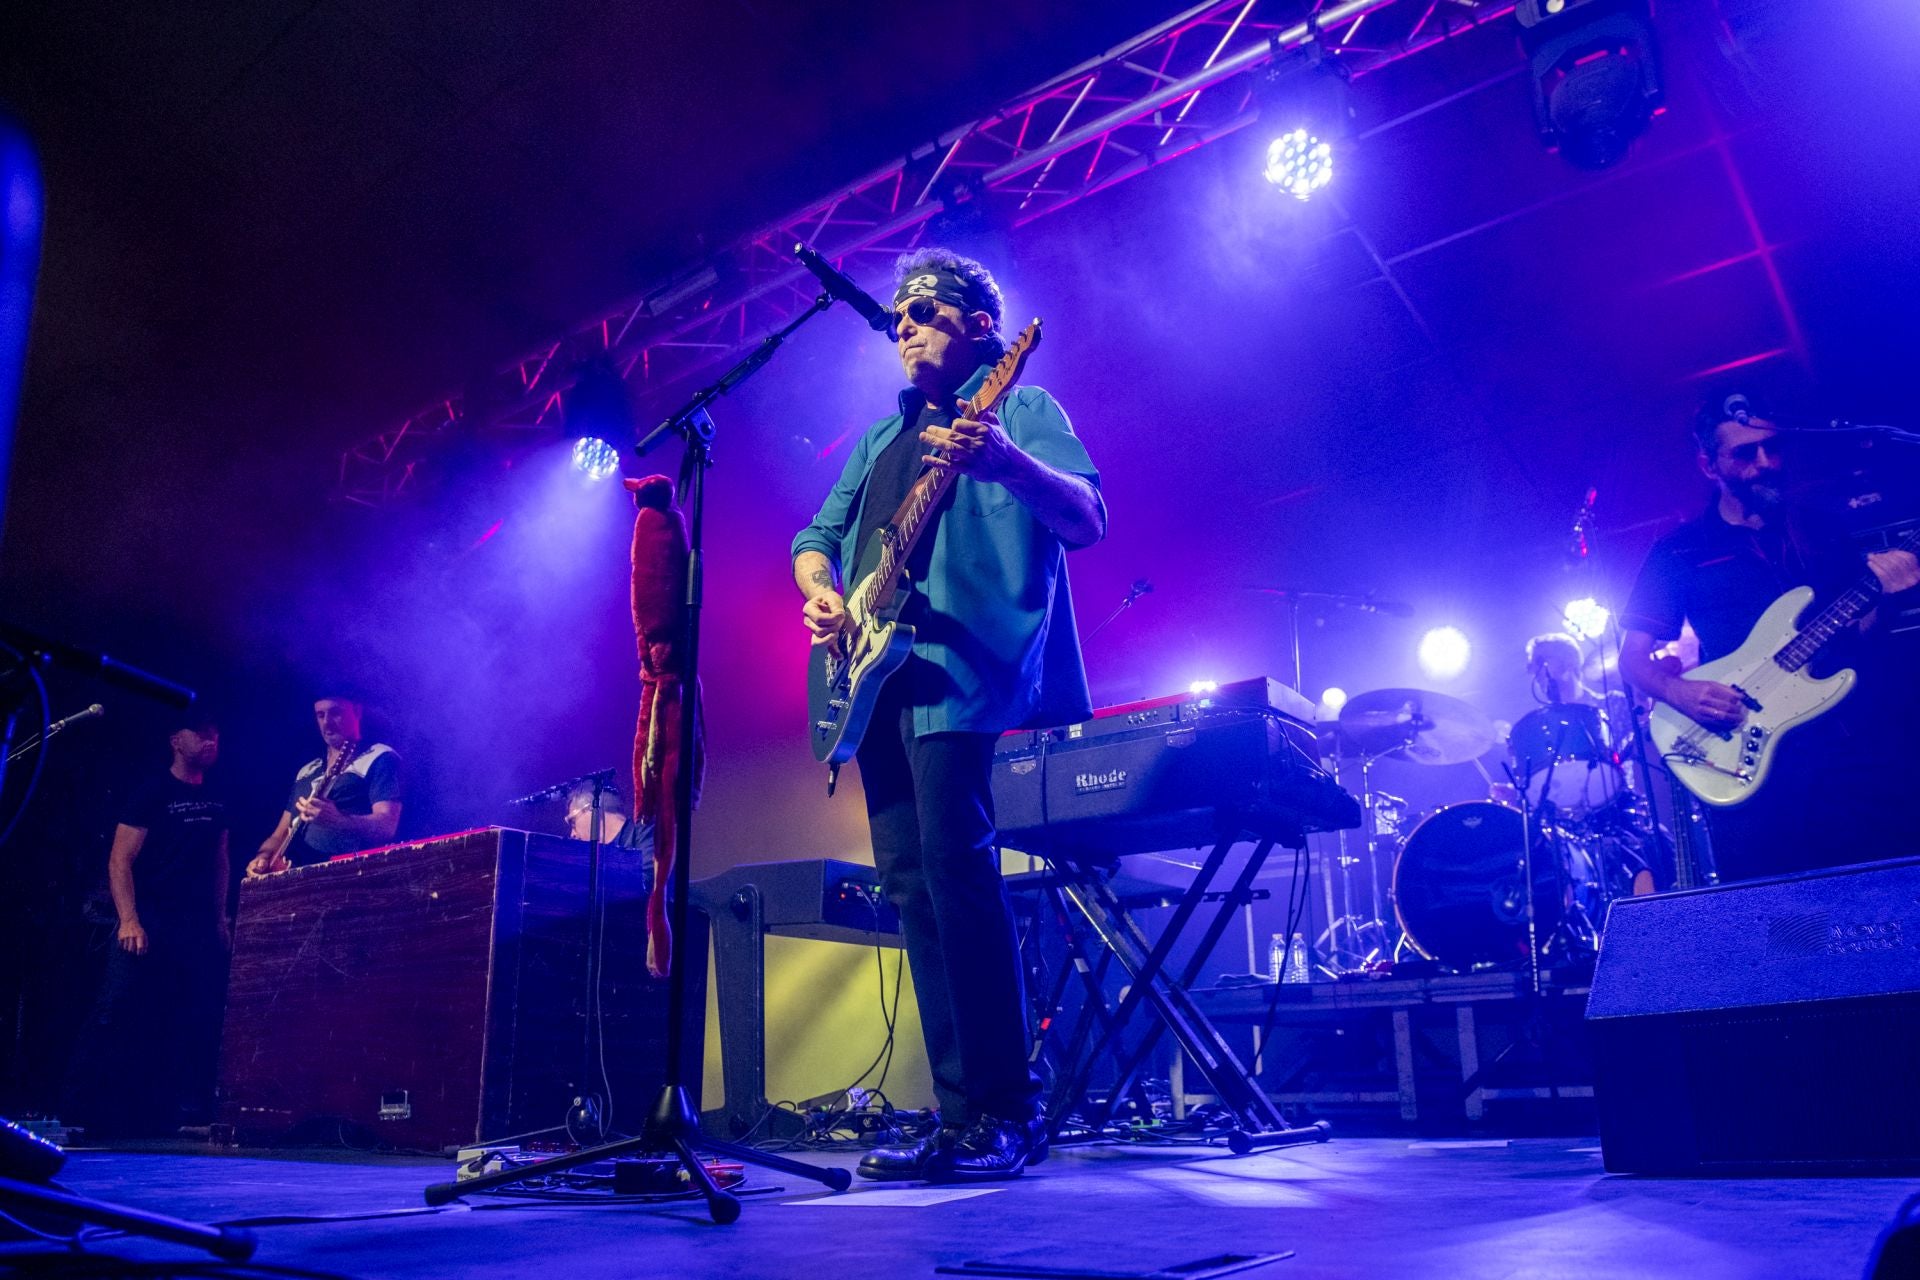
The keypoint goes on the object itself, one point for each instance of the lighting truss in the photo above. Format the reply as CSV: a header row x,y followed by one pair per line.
x,y
1170,90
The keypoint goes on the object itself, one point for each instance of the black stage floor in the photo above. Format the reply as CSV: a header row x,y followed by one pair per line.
x,y
1354,1207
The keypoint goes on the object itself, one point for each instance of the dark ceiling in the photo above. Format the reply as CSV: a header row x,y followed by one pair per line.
x,y
276,225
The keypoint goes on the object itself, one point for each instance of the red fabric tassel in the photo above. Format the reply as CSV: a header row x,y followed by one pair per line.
x,y
659,620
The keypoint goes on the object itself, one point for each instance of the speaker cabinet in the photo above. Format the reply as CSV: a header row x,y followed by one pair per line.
x,y
1763,1028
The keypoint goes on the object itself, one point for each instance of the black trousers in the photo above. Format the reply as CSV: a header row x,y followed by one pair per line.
x,y
146,1058
930,806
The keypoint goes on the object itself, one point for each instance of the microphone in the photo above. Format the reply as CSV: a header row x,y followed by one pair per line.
x,y
559,789
1736,408
38,741
1140,587
95,710
1393,608
878,318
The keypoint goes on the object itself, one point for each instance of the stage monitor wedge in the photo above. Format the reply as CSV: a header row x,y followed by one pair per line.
x,y
1763,1028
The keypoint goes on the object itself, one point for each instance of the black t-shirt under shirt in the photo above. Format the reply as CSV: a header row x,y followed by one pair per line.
x,y
889,481
373,776
176,874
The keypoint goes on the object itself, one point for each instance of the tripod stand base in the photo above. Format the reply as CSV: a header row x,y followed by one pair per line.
x,y
233,1244
1240,1142
672,1130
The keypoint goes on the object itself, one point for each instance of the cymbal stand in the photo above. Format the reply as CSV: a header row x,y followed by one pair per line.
x,y
1349,943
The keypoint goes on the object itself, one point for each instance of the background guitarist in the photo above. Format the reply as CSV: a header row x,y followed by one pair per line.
x,y
995,649
360,811
1840,786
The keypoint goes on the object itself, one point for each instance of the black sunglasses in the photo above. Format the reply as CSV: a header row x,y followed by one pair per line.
x,y
919,310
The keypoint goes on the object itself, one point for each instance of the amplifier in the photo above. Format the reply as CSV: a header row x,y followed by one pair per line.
x,y
1769,1027
819,898
1169,773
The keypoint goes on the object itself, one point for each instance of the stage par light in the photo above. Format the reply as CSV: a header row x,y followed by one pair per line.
x,y
1299,163
1596,75
595,458
1587,618
1444,652
1302,97
1334,699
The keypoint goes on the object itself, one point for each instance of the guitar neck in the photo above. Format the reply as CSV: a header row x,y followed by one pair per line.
x,y
1837,617
910,523
322,787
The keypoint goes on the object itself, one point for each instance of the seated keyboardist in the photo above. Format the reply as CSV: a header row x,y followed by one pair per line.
x,y
616,831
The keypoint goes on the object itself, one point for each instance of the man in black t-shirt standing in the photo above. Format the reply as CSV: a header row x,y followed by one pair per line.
x,y
361,808
145,1060
1825,803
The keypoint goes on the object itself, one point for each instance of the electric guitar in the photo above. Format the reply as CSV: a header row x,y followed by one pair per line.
x,y
845,671
1728,766
322,786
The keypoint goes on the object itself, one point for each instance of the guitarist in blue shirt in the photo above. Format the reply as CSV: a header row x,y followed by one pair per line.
x,y
995,648
1719,572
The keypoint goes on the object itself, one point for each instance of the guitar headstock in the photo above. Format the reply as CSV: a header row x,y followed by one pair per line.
x,y
1006,371
349,752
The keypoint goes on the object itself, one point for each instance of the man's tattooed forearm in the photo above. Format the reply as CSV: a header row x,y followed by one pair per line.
x,y
822,578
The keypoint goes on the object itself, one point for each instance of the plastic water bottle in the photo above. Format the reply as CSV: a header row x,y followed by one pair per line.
x,y
1276,957
1296,970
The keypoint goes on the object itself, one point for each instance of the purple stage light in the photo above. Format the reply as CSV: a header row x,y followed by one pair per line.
x,y
1204,686
1299,163
595,458
1444,652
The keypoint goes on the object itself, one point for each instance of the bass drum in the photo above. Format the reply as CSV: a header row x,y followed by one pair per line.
x,y
1458,892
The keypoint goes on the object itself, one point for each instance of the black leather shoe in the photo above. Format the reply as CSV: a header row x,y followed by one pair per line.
x,y
1037,1144
908,1163
991,1150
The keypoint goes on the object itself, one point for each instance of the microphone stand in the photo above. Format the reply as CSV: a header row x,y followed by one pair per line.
x,y
589,1105
673,1128
1138,589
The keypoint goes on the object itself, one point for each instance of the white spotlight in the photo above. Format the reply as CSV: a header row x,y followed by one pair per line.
x,y
1204,686
1587,618
1334,699
1444,652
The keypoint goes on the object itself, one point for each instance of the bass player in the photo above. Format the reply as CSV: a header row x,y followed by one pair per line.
x,y
1823,804
995,649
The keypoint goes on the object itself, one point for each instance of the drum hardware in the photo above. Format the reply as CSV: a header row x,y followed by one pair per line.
x,y
1415,725
1367,940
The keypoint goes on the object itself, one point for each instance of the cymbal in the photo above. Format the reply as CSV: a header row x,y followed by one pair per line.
x,y
1414,724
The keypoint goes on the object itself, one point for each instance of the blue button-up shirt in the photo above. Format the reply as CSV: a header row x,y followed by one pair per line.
x,y
995,646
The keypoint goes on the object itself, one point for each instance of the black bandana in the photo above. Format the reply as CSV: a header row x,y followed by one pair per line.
x,y
941,285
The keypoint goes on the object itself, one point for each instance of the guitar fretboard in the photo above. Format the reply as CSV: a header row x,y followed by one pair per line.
x,y
1835,618
903,533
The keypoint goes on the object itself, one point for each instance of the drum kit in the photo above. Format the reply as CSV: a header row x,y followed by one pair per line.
x,y
1456,876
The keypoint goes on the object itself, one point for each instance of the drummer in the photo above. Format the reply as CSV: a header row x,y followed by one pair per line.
x,y
1555,663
